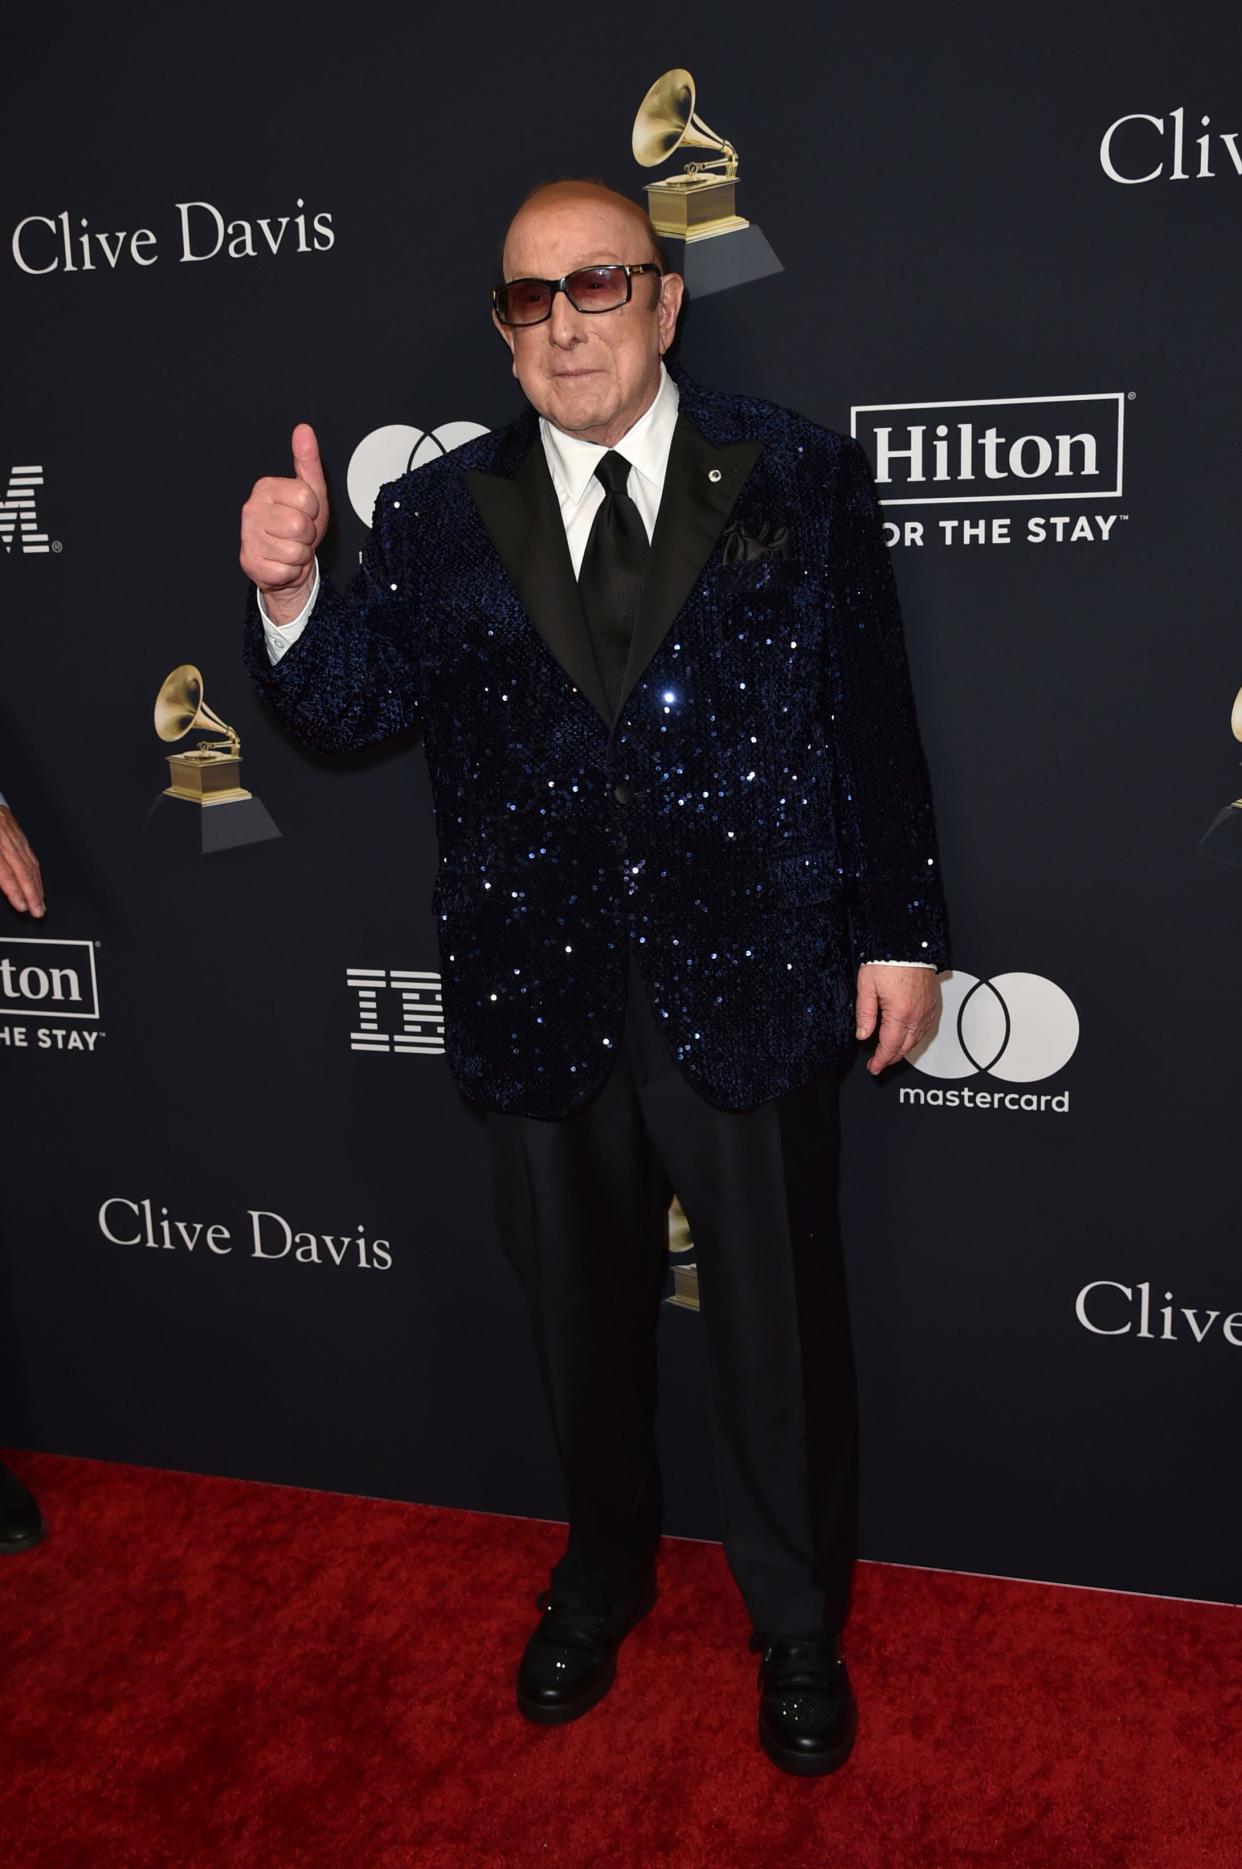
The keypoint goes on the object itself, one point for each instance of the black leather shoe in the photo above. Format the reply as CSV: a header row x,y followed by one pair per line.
x,y
21,1523
807,1713
571,1659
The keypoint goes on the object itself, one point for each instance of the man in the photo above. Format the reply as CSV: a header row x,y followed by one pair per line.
x,y
651,634
21,883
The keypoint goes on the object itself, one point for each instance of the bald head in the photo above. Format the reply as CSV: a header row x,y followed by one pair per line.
x,y
590,373
556,197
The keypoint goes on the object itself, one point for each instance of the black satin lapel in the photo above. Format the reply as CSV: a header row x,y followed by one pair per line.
x,y
523,520
693,509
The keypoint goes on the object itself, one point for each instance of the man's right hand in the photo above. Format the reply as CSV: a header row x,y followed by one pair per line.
x,y
283,523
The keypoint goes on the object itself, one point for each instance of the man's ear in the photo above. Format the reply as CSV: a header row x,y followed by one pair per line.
x,y
672,292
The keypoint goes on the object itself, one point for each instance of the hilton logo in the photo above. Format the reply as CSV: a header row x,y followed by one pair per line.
x,y
42,978
38,977
19,521
399,1009
998,448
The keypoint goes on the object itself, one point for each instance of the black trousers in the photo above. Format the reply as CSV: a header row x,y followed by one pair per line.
x,y
582,1208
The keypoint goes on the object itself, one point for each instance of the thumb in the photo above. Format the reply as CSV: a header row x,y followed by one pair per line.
x,y
306,463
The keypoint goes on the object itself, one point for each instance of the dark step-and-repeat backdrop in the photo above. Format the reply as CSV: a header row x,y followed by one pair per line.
x,y
246,1219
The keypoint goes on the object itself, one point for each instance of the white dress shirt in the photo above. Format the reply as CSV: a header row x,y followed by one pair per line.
x,y
572,463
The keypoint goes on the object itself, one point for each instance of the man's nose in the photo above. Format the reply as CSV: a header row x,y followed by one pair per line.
x,y
564,323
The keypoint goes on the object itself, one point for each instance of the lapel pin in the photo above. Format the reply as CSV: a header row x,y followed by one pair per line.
x,y
713,473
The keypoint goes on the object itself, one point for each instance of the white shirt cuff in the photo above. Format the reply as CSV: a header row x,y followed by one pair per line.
x,y
899,963
281,636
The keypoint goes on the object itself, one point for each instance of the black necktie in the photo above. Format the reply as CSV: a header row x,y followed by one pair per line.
x,y
610,580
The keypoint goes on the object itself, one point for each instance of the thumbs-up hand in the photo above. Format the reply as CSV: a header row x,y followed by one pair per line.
x,y
283,523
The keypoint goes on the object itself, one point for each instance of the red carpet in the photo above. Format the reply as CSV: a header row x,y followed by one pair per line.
x,y
206,1674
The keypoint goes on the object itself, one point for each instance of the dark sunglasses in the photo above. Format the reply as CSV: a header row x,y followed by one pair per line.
x,y
589,289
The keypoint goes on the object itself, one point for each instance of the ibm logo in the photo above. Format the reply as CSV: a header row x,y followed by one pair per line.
x,y
996,448
18,520
416,1011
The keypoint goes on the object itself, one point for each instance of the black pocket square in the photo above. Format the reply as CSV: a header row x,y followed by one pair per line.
x,y
767,539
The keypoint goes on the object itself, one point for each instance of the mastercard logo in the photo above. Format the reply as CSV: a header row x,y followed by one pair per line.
x,y
1017,1027
387,453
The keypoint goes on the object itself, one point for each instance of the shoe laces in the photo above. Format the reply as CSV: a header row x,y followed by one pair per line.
x,y
569,1626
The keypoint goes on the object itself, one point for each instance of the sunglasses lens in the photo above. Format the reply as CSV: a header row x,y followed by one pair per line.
x,y
526,301
597,288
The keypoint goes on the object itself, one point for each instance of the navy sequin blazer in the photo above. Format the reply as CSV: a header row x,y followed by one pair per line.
x,y
756,820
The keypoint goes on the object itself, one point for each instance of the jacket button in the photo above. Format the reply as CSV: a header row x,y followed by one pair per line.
x,y
621,792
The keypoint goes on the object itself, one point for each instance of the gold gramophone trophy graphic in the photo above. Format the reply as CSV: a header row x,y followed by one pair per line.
x,y
211,809
1223,837
685,1290
695,212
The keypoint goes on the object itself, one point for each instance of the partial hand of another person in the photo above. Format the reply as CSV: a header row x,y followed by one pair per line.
x,y
283,523
20,877
906,1001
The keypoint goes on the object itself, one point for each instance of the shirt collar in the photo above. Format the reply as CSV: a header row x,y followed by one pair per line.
x,y
645,446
